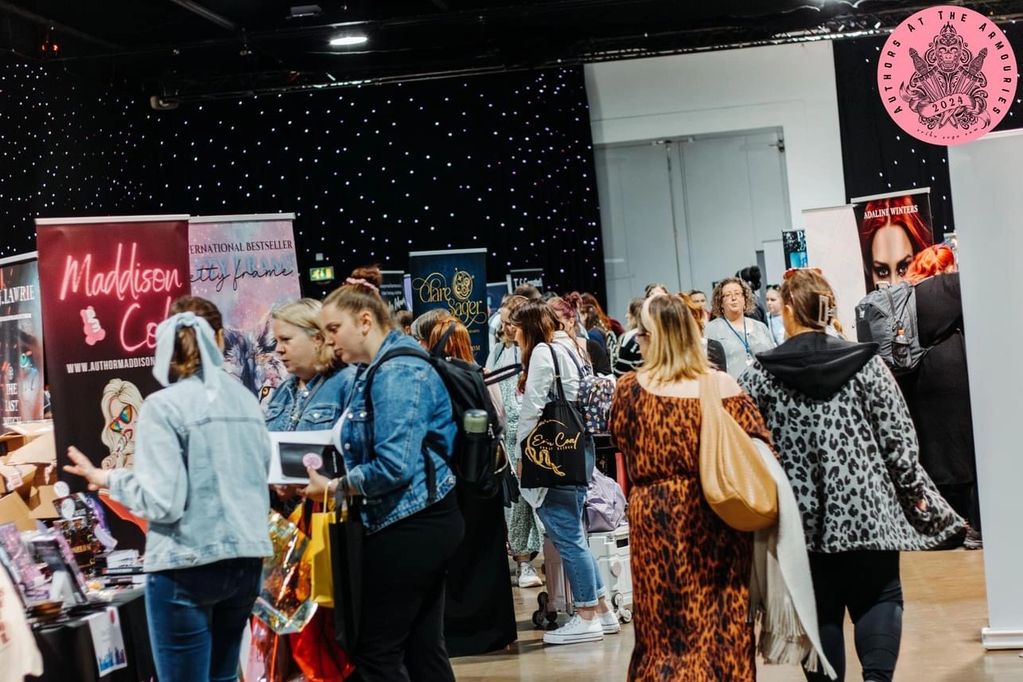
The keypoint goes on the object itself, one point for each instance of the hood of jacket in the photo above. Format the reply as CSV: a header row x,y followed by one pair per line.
x,y
816,364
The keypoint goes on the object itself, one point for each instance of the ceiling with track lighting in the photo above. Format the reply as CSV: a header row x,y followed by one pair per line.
x,y
187,50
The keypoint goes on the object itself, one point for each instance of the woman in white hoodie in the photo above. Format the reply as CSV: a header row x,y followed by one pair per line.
x,y
560,508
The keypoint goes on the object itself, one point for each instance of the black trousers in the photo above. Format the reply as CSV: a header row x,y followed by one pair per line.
x,y
867,584
401,637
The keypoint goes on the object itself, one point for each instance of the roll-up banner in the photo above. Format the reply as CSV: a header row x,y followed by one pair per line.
x,y
892,229
496,291
392,290
831,245
520,276
457,281
109,282
21,339
246,265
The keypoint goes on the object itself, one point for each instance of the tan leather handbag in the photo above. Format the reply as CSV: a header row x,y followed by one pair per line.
x,y
736,482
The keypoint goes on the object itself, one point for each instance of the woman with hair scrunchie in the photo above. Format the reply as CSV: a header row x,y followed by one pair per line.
x,y
201,463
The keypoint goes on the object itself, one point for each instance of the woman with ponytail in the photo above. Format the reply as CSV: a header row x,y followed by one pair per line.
x,y
397,438
847,444
202,457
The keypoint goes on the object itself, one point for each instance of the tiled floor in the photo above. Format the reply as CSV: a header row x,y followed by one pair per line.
x,y
945,610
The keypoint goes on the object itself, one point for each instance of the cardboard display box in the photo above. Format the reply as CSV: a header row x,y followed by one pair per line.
x,y
31,452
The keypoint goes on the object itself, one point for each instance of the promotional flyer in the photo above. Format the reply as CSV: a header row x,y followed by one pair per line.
x,y
892,228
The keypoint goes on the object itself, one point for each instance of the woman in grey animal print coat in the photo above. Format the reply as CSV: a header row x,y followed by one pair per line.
x,y
847,443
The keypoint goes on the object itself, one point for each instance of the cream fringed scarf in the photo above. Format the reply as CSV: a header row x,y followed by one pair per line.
x,y
781,589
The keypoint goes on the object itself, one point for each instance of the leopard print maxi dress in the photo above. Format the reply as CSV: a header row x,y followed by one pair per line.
x,y
690,572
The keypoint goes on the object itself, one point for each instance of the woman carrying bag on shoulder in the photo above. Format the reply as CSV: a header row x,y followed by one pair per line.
x,y
396,452
690,570
550,374
847,444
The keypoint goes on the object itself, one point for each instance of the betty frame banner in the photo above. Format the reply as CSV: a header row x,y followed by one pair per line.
x,y
455,280
21,340
947,75
246,265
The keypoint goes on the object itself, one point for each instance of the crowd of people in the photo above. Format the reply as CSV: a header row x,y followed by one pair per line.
x,y
871,461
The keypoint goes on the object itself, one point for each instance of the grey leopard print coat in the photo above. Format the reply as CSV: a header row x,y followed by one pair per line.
x,y
853,462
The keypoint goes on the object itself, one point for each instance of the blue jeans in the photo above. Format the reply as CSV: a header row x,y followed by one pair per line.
x,y
197,616
562,516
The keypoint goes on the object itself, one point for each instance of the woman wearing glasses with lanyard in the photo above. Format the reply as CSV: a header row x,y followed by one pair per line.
x,y
741,336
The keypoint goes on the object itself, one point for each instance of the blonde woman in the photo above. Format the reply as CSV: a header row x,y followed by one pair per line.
x,y
309,399
690,571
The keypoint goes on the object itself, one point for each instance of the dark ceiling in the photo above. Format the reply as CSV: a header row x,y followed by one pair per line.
x,y
183,50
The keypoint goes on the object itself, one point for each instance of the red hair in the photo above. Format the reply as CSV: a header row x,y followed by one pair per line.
x,y
458,345
933,260
919,234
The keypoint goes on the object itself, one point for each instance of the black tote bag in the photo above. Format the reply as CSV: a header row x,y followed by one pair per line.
x,y
346,538
554,452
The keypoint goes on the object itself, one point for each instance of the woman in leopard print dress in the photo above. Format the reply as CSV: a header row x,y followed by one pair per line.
x,y
690,571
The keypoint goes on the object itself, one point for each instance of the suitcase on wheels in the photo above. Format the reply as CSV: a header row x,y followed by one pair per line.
x,y
611,551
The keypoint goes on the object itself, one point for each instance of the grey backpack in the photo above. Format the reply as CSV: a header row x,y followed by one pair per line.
x,y
887,317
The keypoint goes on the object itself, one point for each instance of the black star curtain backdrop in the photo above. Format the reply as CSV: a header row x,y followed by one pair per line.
x,y
877,155
503,162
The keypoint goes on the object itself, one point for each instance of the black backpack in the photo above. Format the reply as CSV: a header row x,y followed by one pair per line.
x,y
887,316
480,462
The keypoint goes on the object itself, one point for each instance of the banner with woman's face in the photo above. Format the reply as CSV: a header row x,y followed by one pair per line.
x,y
893,228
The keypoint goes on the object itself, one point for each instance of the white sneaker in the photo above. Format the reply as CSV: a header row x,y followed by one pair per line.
x,y
609,623
528,576
576,630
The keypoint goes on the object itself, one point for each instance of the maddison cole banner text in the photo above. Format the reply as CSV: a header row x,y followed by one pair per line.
x,y
109,282
246,265
456,281
21,340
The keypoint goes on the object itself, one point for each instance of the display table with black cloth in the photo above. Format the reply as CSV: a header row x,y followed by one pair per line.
x,y
68,652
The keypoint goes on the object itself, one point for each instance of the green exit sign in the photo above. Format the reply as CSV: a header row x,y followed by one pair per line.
x,y
324,274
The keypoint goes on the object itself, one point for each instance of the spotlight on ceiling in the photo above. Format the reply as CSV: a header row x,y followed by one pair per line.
x,y
349,40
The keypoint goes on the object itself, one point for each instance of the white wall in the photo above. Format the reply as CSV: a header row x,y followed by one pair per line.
x,y
986,196
786,86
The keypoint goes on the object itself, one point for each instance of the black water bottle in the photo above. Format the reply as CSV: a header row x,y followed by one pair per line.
x,y
473,463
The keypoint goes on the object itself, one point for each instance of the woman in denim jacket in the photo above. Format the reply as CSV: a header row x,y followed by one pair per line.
x,y
397,460
560,508
201,462
309,400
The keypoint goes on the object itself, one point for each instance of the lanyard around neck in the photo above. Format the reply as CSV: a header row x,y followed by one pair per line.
x,y
744,339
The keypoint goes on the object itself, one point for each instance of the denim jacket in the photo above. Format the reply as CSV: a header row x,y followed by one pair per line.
x,y
412,415
320,412
200,474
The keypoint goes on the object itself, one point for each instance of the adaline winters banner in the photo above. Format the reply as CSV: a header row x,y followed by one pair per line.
x,y
21,340
455,280
893,228
247,266
106,285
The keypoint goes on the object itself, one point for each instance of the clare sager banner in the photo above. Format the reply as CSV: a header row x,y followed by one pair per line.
x,y
21,339
246,265
106,285
455,280
892,228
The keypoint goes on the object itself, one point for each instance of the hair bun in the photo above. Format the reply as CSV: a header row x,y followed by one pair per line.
x,y
370,273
